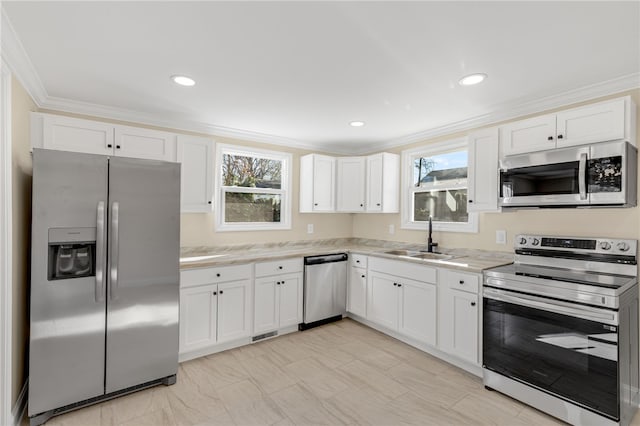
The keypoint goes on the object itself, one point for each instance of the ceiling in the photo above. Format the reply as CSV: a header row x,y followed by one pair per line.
x,y
299,72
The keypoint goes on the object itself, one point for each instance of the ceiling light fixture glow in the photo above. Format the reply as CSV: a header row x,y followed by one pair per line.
x,y
183,80
472,79
356,124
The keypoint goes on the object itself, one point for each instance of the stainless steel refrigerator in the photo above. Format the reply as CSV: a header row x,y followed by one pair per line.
x,y
104,278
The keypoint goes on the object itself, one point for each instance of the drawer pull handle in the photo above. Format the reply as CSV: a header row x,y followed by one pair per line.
x,y
399,285
461,281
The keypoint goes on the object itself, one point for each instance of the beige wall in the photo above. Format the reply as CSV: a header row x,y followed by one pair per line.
x,y
21,104
610,222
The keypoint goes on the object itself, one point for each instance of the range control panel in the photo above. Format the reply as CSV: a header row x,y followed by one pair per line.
x,y
575,244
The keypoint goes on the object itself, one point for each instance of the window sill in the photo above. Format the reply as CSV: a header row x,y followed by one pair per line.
x,y
469,227
228,227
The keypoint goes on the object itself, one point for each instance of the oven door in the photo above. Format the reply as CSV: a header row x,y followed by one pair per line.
x,y
564,349
547,178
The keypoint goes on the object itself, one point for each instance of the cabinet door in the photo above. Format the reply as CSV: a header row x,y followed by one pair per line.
x,y
234,315
350,184
465,325
601,122
72,134
382,300
357,293
265,316
483,171
534,134
196,157
289,300
374,183
418,314
198,315
144,143
323,183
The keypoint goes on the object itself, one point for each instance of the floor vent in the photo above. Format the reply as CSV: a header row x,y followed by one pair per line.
x,y
264,336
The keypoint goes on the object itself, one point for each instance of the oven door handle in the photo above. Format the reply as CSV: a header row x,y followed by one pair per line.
x,y
584,312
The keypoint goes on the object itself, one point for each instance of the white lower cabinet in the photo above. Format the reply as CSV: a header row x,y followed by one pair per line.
x,y
459,315
357,291
277,298
403,305
214,313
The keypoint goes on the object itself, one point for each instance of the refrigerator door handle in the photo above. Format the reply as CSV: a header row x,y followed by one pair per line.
x,y
100,257
113,282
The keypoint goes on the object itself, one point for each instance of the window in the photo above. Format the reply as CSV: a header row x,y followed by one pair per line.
x,y
252,189
435,185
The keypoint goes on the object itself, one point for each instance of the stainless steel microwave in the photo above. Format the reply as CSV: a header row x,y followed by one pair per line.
x,y
602,174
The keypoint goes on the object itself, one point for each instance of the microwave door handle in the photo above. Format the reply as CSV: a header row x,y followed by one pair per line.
x,y
100,257
582,176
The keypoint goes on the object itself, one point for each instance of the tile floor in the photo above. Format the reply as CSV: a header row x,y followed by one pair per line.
x,y
341,373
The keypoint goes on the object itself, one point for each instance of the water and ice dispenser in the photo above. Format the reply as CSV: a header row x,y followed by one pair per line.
x,y
72,253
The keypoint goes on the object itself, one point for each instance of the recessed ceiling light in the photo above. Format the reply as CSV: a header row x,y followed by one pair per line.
x,y
183,80
356,124
472,79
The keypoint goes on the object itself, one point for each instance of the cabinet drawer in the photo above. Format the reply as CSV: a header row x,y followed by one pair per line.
x,y
358,260
400,268
219,274
464,282
284,266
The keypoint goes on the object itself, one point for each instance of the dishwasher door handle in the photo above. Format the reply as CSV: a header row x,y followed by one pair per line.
x,y
326,258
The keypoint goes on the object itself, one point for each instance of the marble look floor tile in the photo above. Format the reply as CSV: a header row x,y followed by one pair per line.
x,y
248,405
361,406
415,410
365,375
302,407
154,418
370,354
95,415
224,369
490,409
266,374
318,378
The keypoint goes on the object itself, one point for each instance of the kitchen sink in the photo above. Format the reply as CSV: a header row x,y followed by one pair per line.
x,y
419,254
410,253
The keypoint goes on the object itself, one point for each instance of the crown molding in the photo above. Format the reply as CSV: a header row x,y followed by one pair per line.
x,y
519,108
15,55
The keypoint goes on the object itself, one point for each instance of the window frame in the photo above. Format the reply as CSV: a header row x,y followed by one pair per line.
x,y
408,189
284,191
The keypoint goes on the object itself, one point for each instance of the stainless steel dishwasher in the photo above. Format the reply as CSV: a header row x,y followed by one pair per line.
x,y
325,289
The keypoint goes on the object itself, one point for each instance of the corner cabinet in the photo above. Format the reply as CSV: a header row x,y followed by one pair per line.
x,y
317,183
459,314
614,119
215,308
278,295
483,173
63,133
196,154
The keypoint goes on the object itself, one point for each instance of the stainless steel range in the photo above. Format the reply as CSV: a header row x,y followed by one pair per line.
x,y
560,328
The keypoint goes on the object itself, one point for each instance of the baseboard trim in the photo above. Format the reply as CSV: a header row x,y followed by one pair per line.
x,y
20,408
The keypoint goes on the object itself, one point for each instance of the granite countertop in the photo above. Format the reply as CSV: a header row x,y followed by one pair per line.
x,y
469,260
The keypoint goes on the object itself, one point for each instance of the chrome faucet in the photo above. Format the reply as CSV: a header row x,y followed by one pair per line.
x,y
430,243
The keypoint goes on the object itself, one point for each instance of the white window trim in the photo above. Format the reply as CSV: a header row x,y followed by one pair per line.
x,y
285,192
407,193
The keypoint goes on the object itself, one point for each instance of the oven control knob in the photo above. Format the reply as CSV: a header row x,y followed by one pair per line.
x,y
605,245
623,246
535,242
523,240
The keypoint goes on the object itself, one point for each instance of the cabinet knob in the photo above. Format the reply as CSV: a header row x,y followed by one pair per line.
x,y
362,276
215,292
217,275
378,204
361,205
208,202
560,136
220,291
282,282
278,283
117,146
473,303
399,285
109,145
470,201
279,267
395,284
550,138
357,261
315,204
461,281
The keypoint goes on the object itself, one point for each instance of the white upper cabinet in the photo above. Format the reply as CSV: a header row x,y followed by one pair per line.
x,y
482,170
383,180
71,134
317,183
600,122
136,142
196,157
62,133
350,184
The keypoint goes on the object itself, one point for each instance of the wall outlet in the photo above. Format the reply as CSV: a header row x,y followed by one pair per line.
x,y
392,229
310,228
501,236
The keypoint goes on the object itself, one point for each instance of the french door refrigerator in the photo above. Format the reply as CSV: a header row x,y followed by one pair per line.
x,y
104,278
